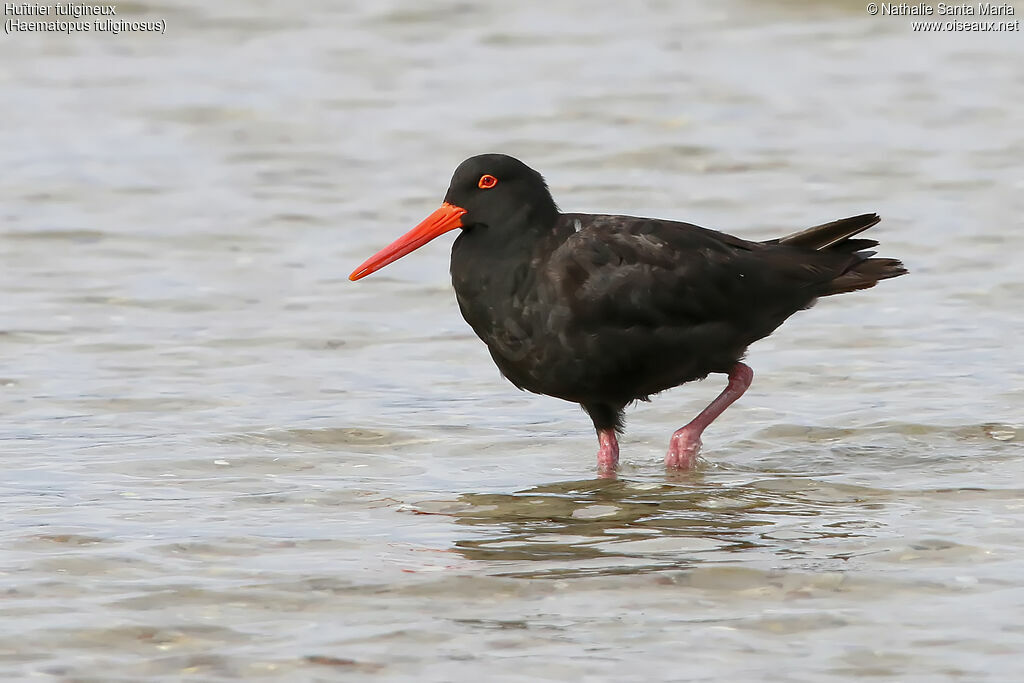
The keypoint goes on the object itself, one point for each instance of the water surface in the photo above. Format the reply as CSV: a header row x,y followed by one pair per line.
x,y
222,460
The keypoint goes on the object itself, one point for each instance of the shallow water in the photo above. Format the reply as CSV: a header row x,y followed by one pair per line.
x,y
223,460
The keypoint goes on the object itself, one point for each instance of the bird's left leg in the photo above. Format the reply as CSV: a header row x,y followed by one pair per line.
x,y
685,443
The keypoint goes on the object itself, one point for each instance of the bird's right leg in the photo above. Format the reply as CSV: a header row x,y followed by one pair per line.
x,y
607,419
608,453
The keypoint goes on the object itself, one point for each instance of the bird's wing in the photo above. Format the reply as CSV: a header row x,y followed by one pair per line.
x,y
617,271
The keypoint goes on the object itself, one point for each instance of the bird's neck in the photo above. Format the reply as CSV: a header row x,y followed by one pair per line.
x,y
494,269
484,253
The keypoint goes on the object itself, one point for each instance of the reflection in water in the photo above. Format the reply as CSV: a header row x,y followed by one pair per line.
x,y
654,526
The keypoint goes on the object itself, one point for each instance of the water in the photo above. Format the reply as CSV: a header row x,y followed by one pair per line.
x,y
222,460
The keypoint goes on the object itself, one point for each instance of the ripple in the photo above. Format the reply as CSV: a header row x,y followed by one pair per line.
x,y
331,438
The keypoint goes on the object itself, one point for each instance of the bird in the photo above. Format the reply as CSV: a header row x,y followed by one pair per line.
x,y
606,310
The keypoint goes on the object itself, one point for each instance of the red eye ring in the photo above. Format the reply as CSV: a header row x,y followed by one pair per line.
x,y
487,181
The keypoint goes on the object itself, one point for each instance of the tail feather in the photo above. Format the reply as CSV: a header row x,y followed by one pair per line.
x,y
866,273
861,271
851,246
828,234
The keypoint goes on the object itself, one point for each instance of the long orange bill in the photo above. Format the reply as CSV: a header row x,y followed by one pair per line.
x,y
447,217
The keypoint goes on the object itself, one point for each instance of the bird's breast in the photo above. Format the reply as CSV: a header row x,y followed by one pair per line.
x,y
515,314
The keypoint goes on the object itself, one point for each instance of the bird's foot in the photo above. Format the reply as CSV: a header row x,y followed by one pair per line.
x,y
608,453
683,450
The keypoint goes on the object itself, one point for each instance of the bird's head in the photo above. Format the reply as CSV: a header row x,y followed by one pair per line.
x,y
489,192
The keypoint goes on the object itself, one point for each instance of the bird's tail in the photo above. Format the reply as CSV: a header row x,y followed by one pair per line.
x,y
828,234
863,271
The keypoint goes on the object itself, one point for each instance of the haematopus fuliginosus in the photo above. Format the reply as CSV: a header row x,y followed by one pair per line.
x,y
606,310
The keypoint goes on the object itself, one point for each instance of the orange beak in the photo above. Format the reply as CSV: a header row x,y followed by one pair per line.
x,y
447,217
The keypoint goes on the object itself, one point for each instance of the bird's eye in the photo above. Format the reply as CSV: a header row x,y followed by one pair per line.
x,y
487,181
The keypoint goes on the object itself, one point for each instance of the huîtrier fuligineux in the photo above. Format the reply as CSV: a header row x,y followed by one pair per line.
x,y
605,310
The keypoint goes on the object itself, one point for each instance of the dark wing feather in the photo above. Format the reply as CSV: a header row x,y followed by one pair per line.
x,y
652,304
634,271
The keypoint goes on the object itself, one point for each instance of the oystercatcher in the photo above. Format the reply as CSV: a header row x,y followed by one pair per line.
x,y
605,310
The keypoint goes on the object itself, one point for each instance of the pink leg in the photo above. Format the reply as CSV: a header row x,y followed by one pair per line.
x,y
608,453
685,443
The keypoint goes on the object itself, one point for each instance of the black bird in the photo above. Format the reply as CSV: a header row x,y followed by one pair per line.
x,y
606,310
